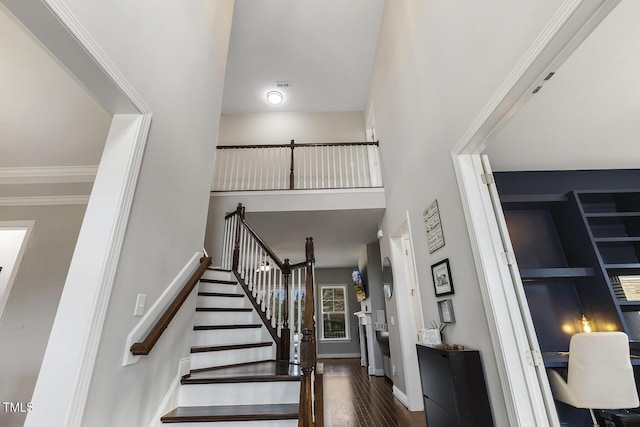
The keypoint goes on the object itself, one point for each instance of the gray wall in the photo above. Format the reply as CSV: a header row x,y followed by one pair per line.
x,y
33,301
339,276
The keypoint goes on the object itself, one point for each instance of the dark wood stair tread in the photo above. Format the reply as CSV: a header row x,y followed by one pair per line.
x,y
222,282
270,370
220,294
181,414
217,327
224,309
204,349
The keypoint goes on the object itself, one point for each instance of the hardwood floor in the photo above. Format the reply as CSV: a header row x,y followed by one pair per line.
x,y
354,399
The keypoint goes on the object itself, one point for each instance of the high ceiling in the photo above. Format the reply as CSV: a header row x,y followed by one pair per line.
x,y
324,48
586,115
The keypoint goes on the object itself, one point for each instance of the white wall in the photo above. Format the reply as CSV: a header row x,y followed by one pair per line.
x,y
33,300
280,128
71,125
174,56
437,65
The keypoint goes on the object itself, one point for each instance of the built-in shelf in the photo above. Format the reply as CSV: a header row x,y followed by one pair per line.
x,y
555,273
611,214
629,304
634,266
616,239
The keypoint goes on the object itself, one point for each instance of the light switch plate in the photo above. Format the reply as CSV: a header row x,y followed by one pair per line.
x,y
392,319
140,303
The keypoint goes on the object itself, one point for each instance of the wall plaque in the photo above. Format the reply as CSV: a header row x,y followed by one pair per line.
x,y
433,226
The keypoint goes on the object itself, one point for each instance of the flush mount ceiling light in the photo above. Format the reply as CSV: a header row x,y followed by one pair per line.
x,y
274,97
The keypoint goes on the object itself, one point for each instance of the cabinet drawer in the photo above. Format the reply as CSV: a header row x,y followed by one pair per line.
x,y
437,416
436,378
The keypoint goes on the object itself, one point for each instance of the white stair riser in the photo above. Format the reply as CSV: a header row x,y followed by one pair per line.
x,y
257,393
228,336
210,359
204,301
264,423
220,287
218,275
225,318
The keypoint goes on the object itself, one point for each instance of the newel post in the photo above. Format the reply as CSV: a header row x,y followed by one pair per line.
x,y
291,176
236,247
307,344
285,334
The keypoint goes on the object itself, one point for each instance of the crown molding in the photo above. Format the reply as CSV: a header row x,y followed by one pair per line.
x,y
44,200
48,175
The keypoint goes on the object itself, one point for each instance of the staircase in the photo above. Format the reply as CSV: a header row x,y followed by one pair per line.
x,y
235,380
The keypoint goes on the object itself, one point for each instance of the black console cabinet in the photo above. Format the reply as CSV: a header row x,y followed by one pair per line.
x,y
453,388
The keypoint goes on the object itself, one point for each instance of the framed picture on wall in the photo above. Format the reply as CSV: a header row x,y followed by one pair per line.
x,y
445,309
442,282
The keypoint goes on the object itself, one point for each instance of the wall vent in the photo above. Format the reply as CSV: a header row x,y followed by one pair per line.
x,y
283,84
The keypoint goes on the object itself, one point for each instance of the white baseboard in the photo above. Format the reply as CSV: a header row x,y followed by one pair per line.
x,y
158,308
376,372
401,396
339,356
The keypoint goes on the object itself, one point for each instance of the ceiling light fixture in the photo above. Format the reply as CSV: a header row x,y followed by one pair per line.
x,y
274,97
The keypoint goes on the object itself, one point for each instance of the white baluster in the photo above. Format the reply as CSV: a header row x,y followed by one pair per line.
x,y
267,309
358,155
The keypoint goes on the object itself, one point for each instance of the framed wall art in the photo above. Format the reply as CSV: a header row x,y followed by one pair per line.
x,y
442,282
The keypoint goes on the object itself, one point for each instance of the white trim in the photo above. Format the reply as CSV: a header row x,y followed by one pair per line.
x,y
400,396
339,356
106,219
524,393
108,270
84,39
28,225
170,399
376,372
573,22
48,175
158,308
407,325
44,200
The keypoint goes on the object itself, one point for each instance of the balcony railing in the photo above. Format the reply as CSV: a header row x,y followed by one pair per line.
x,y
292,166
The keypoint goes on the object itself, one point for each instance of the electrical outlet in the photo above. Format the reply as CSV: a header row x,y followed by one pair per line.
x,y
393,370
392,319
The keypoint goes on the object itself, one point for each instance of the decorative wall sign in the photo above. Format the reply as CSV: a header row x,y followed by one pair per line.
x,y
442,282
433,226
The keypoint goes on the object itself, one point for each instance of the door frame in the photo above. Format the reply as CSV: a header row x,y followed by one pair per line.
x,y
403,280
527,395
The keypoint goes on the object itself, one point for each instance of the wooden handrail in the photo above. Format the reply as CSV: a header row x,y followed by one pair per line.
x,y
145,346
297,144
240,212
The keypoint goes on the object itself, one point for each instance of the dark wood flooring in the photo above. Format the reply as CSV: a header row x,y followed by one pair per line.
x,y
354,399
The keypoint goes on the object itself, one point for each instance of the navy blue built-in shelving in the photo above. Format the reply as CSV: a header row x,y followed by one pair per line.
x,y
613,224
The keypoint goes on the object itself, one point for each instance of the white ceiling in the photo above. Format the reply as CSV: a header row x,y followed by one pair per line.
x,y
587,116
46,117
325,48
339,236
